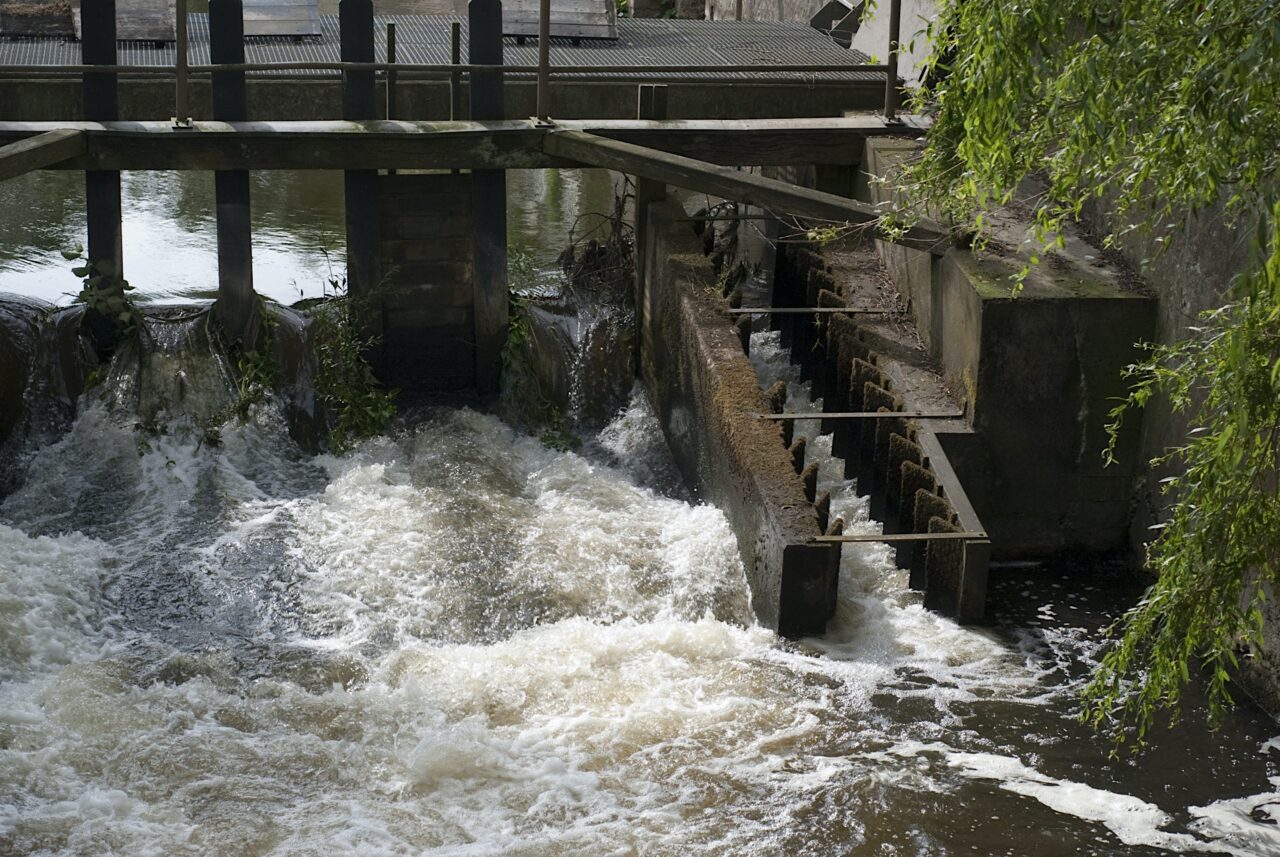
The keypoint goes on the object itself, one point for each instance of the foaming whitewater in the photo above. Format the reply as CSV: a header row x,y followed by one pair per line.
x,y
454,640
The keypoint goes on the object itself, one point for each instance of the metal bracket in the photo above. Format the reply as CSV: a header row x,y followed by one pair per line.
x,y
542,123
183,124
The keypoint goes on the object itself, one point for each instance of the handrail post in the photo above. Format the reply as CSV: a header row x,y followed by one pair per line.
x,y
455,74
391,73
181,111
891,69
544,60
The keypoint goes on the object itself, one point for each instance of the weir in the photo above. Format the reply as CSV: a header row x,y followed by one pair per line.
x,y
427,252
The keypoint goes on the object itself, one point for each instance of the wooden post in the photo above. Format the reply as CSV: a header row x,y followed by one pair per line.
x,y
102,187
489,200
237,306
359,101
651,103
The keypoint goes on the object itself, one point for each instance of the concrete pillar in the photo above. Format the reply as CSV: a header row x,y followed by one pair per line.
x,y
489,195
236,308
359,101
651,103
102,187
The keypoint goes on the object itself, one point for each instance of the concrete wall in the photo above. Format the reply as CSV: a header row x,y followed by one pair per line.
x,y
706,393
426,304
1039,371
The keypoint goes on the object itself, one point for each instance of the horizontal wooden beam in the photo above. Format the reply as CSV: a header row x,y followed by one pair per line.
x,y
510,144
776,196
41,151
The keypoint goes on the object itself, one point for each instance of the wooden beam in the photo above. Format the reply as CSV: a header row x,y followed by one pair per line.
x,y
383,144
39,152
729,183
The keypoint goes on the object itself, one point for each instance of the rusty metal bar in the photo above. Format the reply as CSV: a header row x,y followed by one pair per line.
x,y
901,537
860,415
787,310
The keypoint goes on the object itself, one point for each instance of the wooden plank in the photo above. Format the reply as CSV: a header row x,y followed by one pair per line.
x,y
575,19
729,183
282,18
39,152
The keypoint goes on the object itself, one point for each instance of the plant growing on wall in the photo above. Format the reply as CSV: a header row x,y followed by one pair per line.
x,y
106,294
358,403
1160,109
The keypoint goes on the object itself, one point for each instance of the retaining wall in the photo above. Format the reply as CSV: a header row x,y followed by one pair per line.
x,y
706,394
1040,371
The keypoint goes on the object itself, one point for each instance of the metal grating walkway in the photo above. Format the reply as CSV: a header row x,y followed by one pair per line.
x,y
425,39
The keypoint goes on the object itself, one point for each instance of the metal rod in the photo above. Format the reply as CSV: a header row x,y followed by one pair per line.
x,y
787,310
391,72
901,537
544,59
891,72
859,415
455,70
181,112
561,71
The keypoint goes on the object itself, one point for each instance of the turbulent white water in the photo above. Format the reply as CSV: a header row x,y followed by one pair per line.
x,y
456,641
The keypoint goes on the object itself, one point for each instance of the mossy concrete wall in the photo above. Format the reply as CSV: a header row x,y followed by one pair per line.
x,y
707,394
1039,371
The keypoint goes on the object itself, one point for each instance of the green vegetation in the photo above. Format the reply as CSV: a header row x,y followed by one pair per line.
x,y
107,294
1161,110
360,407
521,389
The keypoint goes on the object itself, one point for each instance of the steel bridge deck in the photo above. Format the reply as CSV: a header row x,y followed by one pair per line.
x,y
425,39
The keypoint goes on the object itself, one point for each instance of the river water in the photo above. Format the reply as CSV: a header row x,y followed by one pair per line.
x,y
453,640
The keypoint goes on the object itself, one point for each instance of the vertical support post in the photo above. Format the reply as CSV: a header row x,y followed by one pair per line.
x,y
456,105
359,101
651,103
737,10
181,110
236,307
891,71
544,59
102,187
391,73
489,199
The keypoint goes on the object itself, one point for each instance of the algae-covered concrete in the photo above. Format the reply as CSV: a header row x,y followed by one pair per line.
x,y
706,394
1039,369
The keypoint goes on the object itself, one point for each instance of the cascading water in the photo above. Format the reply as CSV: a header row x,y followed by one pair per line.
x,y
454,640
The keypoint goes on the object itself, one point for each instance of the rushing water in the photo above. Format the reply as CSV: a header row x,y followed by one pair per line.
x,y
456,641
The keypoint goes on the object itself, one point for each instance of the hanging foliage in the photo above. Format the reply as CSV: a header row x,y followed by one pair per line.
x,y
1162,110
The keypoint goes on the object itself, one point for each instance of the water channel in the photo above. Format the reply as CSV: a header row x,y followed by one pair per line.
x,y
454,640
